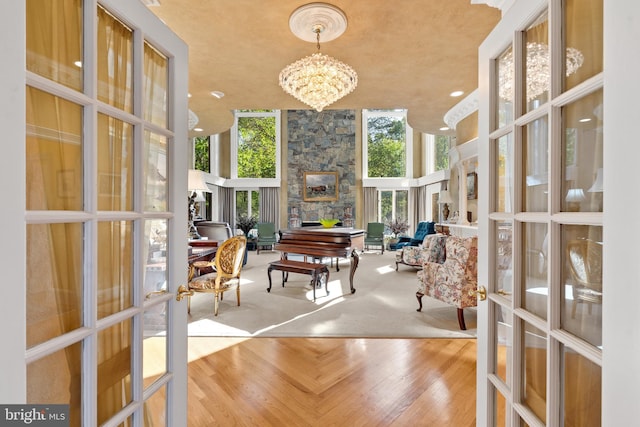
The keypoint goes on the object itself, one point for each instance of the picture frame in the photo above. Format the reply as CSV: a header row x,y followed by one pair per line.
x,y
472,186
320,187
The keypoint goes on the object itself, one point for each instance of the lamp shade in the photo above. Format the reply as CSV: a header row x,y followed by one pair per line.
x,y
445,197
575,195
597,184
197,182
199,196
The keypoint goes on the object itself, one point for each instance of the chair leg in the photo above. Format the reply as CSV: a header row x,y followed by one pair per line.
x,y
189,304
215,305
461,320
419,297
238,295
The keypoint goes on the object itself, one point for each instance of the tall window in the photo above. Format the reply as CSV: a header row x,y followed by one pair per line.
x,y
247,202
255,139
388,147
393,204
441,152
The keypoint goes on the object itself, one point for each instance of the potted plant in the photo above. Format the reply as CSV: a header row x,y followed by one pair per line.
x,y
397,227
246,223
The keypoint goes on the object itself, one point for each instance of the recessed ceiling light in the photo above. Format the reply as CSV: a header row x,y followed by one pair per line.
x,y
78,64
444,128
217,94
456,93
197,129
188,95
585,120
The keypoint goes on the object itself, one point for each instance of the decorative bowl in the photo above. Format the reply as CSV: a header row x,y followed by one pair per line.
x,y
328,223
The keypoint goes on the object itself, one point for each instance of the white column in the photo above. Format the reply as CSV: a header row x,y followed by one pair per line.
x,y
462,193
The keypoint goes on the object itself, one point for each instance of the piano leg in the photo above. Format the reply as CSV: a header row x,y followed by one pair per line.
x,y
355,259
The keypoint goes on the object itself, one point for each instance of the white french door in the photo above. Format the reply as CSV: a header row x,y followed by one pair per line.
x,y
97,165
542,148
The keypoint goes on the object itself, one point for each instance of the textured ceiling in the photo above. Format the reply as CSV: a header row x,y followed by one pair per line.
x,y
408,54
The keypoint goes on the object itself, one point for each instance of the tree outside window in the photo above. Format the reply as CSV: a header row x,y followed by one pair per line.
x,y
386,144
256,144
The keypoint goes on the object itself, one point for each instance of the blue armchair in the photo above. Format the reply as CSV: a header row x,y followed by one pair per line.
x,y
424,228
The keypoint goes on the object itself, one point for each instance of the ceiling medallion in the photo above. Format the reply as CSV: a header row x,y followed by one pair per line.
x,y
318,80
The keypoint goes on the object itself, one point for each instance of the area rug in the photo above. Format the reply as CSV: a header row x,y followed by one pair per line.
x,y
384,304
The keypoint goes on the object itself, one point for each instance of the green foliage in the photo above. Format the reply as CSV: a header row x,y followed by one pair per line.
x,y
246,223
256,147
242,201
201,155
442,152
386,147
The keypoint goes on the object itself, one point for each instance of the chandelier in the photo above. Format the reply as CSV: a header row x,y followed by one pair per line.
x,y
538,73
318,80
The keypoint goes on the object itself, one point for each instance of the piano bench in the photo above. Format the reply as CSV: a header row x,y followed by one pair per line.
x,y
315,270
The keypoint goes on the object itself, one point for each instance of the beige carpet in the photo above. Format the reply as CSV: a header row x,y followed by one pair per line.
x,y
384,305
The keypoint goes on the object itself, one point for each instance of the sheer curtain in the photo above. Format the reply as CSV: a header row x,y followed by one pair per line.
x,y
226,197
270,205
370,205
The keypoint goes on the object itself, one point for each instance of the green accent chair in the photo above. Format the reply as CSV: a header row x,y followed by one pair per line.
x,y
375,235
266,235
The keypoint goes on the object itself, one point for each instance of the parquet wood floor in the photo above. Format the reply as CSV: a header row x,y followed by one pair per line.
x,y
331,382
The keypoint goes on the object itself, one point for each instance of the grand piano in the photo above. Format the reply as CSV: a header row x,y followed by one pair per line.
x,y
323,242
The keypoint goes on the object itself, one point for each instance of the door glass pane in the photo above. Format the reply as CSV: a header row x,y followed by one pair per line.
x,y
536,64
114,369
504,346
535,370
155,409
115,164
583,148
155,342
156,184
504,259
582,390
156,77
535,287
583,35
115,267
54,152
67,387
504,88
582,276
115,62
54,284
504,175
500,409
155,254
535,151
54,40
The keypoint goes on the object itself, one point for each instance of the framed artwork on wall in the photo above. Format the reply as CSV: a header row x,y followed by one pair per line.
x,y
472,186
320,187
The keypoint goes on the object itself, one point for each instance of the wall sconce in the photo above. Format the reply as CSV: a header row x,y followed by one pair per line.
x,y
196,184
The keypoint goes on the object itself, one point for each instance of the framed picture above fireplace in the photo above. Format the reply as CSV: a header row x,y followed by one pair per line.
x,y
320,187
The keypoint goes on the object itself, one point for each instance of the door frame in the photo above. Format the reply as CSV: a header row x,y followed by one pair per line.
x,y
13,189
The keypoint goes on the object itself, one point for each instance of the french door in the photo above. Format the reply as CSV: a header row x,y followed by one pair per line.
x,y
100,178
541,139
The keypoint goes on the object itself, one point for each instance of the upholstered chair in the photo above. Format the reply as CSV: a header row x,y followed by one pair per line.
x,y
432,249
452,280
227,266
375,235
422,230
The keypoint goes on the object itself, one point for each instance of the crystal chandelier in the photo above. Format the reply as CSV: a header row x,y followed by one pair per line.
x,y
538,73
318,80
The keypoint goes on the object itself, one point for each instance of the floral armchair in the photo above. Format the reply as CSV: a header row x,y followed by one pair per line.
x,y
451,281
432,249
